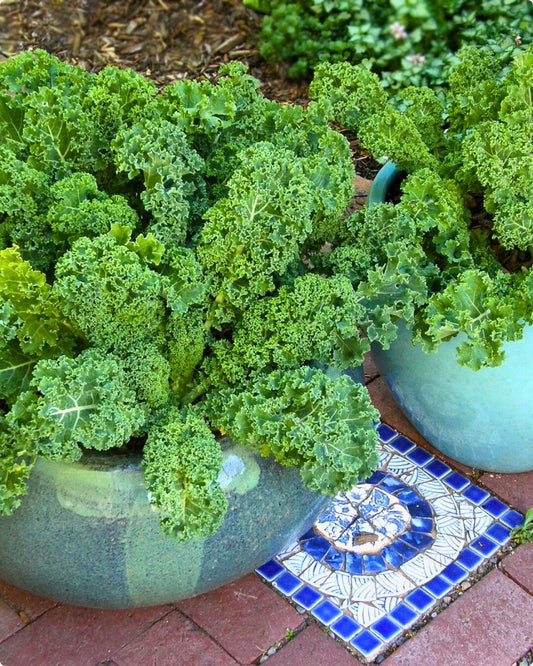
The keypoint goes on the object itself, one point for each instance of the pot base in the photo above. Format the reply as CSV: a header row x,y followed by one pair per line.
x,y
86,534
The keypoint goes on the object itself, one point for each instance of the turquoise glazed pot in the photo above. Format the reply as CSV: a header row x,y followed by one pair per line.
x,y
86,534
482,418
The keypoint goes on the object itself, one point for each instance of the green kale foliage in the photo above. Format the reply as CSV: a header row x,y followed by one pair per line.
x,y
407,42
182,461
156,286
76,402
306,419
454,253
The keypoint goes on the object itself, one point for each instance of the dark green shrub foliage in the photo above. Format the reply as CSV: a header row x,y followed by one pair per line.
x,y
406,41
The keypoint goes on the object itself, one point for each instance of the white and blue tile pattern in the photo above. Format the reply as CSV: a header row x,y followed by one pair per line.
x,y
385,553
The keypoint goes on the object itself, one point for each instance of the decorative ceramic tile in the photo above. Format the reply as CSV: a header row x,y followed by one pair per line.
x,y
384,554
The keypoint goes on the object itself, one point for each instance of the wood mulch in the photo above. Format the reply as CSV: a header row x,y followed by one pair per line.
x,y
164,39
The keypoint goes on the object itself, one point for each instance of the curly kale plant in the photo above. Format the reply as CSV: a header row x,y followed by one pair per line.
x,y
406,41
156,287
454,253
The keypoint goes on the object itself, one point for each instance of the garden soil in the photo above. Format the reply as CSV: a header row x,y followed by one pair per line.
x,y
164,39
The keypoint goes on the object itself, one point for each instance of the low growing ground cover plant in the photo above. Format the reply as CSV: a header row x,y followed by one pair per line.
x,y
406,41
524,533
454,253
155,284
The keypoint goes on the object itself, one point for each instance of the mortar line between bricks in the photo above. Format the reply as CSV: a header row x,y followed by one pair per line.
x,y
171,610
510,576
306,624
30,621
210,636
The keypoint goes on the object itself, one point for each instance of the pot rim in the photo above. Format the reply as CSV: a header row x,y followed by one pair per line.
x,y
383,181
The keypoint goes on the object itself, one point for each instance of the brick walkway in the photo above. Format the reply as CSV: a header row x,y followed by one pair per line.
x,y
490,624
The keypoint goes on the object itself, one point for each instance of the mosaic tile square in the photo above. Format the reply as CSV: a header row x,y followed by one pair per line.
x,y
494,507
440,469
367,644
345,628
512,519
499,533
287,583
439,587
384,554
404,616
455,573
307,597
456,481
469,559
270,570
476,495
326,612
420,600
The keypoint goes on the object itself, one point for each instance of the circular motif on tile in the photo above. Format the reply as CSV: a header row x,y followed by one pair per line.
x,y
376,527
364,520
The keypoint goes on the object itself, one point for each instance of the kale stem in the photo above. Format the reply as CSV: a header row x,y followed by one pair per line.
x,y
220,298
192,395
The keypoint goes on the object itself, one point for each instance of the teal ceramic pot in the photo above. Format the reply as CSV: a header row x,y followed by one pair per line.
x,y
86,534
482,418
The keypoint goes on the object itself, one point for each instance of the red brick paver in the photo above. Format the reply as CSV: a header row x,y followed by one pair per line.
x,y
519,566
171,641
489,626
27,605
10,621
72,636
17,608
246,617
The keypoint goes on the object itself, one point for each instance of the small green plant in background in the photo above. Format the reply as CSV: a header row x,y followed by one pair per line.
x,y
524,533
406,41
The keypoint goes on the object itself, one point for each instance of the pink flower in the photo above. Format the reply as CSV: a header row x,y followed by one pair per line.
x,y
416,59
397,30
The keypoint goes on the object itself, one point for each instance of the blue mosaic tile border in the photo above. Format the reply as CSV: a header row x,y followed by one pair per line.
x,y
383,555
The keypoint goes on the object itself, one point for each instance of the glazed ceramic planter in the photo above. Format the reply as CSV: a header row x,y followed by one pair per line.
x,y
482,418
86,534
